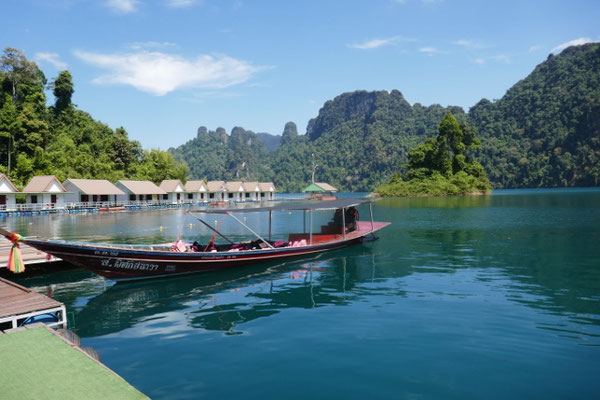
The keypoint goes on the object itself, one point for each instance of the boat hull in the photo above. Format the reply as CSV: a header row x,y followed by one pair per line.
x,y
130,264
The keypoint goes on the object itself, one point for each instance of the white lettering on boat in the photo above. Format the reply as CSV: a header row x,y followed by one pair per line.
x,y
137,265
105,253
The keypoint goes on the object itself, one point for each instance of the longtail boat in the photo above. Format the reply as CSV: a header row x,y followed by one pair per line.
x,y
131,262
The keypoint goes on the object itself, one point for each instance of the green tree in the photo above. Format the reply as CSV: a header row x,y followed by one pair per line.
x,y
62,90
439,166
9,126
18,72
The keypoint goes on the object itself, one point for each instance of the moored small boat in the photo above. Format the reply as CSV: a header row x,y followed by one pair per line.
x,y
129,262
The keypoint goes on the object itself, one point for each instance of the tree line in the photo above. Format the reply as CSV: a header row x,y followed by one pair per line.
x,y
60,139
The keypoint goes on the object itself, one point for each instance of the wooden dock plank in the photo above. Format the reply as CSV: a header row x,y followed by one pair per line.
x,y
16,299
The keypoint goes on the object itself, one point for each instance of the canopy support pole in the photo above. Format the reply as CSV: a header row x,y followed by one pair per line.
x,y
246,226
344,221
213,229
371,212
270,220
311,226
304,221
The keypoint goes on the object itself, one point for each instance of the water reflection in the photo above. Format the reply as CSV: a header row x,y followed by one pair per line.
x,y
537,256
225,300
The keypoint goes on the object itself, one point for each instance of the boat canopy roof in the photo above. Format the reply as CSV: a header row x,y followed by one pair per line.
x,y
291,206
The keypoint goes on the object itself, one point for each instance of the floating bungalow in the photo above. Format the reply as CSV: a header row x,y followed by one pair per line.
x,y
174,191
267,190
45,192
216,190
320,190
91,191
197,191
8,192
251,191
235,191
140,192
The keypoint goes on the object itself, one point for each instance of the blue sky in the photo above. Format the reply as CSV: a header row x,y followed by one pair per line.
x,y
162,68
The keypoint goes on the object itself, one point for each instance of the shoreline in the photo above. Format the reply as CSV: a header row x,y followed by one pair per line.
x,y
477,193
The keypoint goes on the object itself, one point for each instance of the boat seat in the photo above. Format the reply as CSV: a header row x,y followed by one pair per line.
x,y
317,237
331,229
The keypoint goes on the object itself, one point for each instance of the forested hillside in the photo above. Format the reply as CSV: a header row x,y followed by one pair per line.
x,y
271,142
358,139
215,155
62,140
544,132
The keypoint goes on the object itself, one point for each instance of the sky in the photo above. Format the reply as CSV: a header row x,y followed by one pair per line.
x,y
162,68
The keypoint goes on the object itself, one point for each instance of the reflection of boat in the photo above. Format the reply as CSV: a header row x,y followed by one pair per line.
x,y
128,262
221,301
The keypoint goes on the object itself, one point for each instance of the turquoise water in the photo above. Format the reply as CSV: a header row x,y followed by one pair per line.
x,y
467,297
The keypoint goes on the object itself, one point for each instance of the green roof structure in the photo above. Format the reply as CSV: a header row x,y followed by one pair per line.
x,y
319,187
38,364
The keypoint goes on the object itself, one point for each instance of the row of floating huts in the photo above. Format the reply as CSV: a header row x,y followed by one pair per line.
x,y
47,192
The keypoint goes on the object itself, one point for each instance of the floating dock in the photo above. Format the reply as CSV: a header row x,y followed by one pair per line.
x,y
18,304
39,363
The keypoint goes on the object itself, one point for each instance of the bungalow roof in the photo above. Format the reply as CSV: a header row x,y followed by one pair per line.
x,y
42,184
326,186
6,186
215,186
95,186
266,187
142,187
234,186
170,185
250,186
195,186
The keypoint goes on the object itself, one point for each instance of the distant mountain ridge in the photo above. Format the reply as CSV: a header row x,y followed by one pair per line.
x,y
271,142
215,155
544,132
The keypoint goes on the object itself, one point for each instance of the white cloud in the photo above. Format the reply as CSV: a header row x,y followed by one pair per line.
x,y
431,50
123,6
151,45
575,42
51,58
376,43
159,73
181,3
497,58
534,48
470,44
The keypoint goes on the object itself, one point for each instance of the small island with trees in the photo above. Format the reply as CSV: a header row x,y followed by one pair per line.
x,y
441,166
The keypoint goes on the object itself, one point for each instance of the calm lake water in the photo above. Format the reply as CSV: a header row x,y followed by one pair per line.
x,y
465,297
